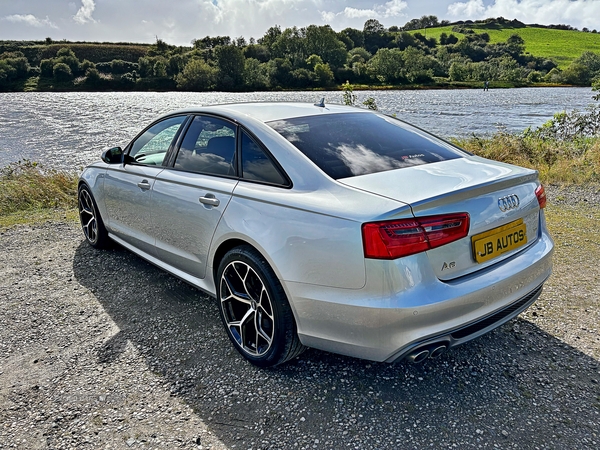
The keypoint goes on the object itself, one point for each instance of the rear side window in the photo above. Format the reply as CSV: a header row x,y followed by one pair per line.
x,y
256,165
351,144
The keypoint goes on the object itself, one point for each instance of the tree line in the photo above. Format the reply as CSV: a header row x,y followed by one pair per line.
x,y
309,57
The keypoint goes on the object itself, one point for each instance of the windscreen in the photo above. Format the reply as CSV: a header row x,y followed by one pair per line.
x,y
351,144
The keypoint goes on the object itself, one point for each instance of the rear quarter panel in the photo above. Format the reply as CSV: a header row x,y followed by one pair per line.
x,y
307,236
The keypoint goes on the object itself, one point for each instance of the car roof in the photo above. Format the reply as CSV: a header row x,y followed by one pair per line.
x,y
270,111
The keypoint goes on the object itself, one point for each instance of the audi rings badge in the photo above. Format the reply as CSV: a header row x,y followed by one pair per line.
x,y
508,202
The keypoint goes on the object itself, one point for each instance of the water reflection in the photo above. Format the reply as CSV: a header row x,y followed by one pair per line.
x,y
70,129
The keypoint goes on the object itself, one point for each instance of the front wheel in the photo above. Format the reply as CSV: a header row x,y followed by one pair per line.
x,y
255,309
91,222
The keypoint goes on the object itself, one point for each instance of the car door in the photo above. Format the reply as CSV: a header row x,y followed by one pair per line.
x,y
128,186
190,197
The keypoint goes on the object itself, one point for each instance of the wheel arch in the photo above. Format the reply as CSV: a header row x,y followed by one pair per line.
x,y
229,244
233,242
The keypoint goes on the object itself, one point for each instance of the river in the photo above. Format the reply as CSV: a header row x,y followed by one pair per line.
x,y
68,130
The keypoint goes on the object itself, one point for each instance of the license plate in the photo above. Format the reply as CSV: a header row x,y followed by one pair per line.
x,y
493,243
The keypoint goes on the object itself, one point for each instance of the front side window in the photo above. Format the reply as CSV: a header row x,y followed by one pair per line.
x,y
351,144
152,146
256,165
208,147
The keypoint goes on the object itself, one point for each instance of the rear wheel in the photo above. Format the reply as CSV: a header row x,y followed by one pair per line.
x,y
255,309
91,223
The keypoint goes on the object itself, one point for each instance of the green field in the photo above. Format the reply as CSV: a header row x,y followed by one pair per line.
x,y
562,46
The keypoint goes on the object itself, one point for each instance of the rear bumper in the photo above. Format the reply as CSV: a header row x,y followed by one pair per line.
x,y
403,306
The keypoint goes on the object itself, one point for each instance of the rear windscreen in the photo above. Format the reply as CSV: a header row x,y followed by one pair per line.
x,y
351,144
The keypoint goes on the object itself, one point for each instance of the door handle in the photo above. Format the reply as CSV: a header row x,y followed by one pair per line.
x,y
144,185
210,200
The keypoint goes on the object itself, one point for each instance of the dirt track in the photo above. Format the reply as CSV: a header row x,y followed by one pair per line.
x,y
99,349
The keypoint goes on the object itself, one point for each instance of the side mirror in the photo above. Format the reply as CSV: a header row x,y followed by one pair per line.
x,y
113,155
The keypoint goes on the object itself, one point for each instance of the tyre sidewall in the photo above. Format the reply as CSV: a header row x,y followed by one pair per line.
x,y
101,240
279,303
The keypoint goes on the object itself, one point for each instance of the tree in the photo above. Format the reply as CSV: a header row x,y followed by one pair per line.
x,y
231,62
270,36
7,72
17,62
591,61
359,54
515,45
388,65
257,51
577,74
145,65
457,72
356,36
160,47
324,74
291,44
323,41
255,74
448,39
419,67
279,70
160,68
197,75
374,35
423,22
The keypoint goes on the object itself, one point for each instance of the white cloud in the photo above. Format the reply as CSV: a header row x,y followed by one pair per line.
x,y
573,12
84,14
393,8
31,20
354,13
467,10
327,16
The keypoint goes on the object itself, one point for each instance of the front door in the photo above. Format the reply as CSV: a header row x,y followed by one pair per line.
x,y
128,186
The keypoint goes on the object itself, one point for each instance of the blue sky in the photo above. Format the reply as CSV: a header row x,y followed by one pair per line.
x,y
180,21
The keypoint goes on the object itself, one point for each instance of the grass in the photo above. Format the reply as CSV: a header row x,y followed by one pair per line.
x,y
558,162
31,193
562,46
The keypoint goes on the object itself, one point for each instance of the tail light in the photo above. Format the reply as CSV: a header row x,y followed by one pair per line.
x,y
540,193
396,238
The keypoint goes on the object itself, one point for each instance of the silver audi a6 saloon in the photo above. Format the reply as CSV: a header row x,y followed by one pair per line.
x,y
325,226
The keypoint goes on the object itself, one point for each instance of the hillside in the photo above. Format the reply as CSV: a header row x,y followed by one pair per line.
x,y
562,46
96,52
505,53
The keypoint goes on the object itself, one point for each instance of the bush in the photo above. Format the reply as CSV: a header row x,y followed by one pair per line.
x,y
47,68
92,77
534,76
118,66
197,76
62,72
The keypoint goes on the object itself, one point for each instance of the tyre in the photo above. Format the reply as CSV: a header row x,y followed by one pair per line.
x,y
91,222
255,310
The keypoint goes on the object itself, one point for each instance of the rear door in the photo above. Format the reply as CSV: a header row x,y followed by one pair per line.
x,y
190,197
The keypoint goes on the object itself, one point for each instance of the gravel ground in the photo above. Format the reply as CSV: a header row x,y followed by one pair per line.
x,y
99,349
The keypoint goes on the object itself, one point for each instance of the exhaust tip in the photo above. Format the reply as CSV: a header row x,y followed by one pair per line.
x,y
437,351
418,356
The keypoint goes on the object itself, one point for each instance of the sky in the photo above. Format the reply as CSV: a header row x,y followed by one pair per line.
x,y
178,22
